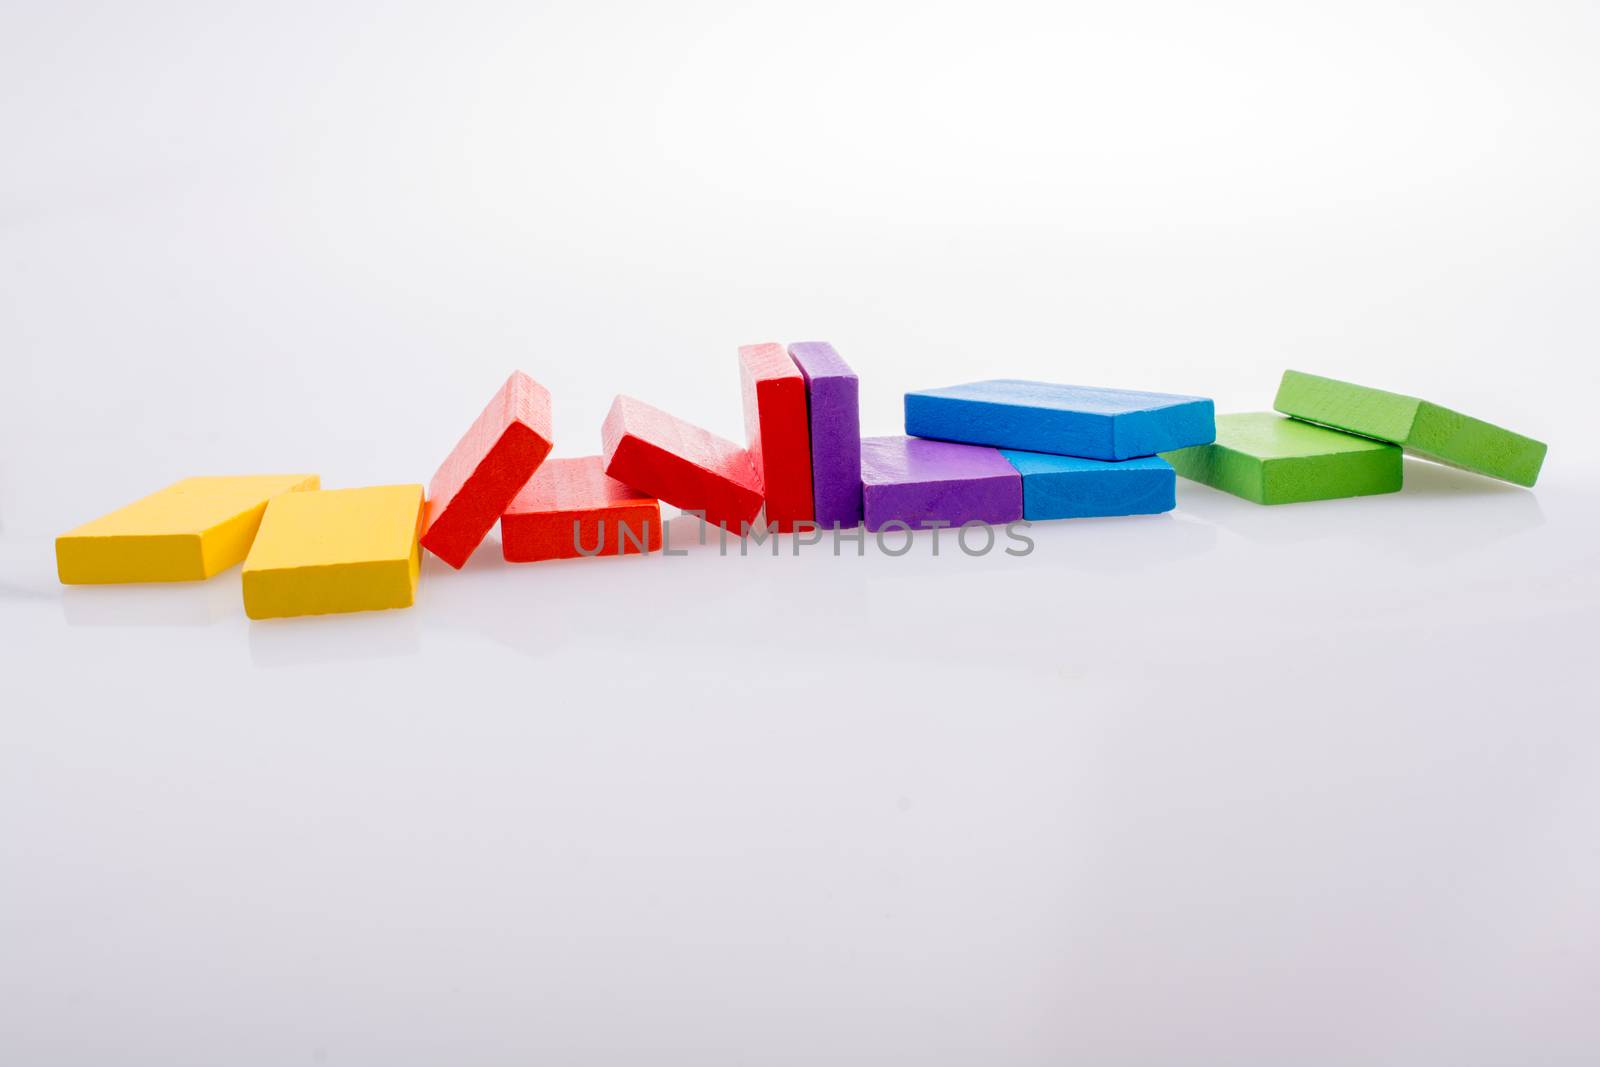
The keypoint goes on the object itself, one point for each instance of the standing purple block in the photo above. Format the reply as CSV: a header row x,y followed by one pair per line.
x,y
918,481
833,394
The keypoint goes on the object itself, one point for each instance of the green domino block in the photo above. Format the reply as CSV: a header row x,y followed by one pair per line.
x,y
1273,460
1421,428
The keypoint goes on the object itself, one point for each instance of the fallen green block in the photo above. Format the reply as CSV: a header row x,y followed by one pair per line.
x,y
1273,460
1421,428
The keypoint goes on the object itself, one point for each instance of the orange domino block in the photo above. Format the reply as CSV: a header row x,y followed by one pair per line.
x,y
679,463
572,508
487,468
779,430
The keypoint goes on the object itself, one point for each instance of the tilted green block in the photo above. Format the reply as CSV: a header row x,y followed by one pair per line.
x,y
1421,428
1273,460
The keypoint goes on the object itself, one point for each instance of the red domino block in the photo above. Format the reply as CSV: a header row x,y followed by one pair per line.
x,y
485,470
679,463
571,508
779,431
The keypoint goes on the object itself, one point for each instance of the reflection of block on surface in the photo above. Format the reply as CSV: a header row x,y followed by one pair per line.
x,y
918,482
679,463
1065,420
571,508
1421,428
335,550
778,432
1066,487
192,529
1275,460
833,400
488,466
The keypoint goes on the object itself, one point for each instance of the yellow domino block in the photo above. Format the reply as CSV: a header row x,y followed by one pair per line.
x,y
190,530
335,550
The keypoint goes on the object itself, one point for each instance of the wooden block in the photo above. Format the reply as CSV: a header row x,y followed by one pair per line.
x,y
779,432
487,468
679,463
921,482
1273,460
1066,487
1420,427
190,530
833,399
572,508
335,550
1065,420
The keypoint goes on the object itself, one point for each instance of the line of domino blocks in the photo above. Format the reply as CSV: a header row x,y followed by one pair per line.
x,y
989,452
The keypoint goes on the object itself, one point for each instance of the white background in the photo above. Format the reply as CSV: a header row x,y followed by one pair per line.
x,y
1315,784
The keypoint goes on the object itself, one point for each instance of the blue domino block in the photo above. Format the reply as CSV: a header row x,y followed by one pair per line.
x,y
1065,420
1066,487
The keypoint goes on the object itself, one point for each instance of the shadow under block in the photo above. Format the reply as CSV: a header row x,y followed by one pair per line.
x,y
778,432
571,508
1064,420
1421,428
920,482
1275,460
833,400
487,468
678,462
1066,487
335,550
190,530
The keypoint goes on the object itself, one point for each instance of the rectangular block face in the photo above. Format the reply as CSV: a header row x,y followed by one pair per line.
x,y
1274,460
1066,487
779,432
572,509
486,469
1420,427
679,463
1064,420
190,530
335,550
917,482
833,400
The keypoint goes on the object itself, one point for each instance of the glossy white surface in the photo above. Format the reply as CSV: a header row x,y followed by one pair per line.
x,y
1314,784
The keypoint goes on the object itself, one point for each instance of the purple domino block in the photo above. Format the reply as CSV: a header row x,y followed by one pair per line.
x,y
917,481
833,394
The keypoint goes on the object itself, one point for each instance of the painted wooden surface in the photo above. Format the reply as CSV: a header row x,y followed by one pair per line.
x,y
487,468
1066,487
1271,459
833,403
335,550
778,432
190,530
1065,420
1420,427
572,508
919,482
679,463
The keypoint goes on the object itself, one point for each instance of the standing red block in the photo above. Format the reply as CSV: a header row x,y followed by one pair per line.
x,y
679,463
571,508
488,466
779,431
